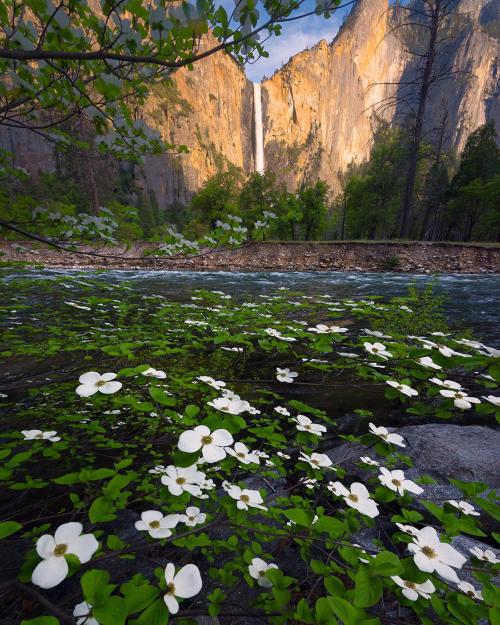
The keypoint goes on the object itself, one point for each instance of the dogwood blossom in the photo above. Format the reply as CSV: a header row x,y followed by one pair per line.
x,y
376,333
377,349
408,529
243,454
493,400
426,361
230,405
157,524
395,480
282,411
245,497
385,435
212,444
464,507
258,569
322,328
357,497
469,590
446,383
180,479
285,375
460,399
430,554
68,539
317,461
216,384
369,461
412,590
185,584
83,614
192,517
486,556
31,435
402,388
92,382
154,373
304,424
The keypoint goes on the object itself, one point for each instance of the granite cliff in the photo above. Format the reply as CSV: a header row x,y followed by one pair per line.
x,y
319,110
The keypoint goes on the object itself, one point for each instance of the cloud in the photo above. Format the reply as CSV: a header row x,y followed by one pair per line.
x,y
295,37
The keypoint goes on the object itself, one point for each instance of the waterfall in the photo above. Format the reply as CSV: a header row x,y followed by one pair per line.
x,y
258,128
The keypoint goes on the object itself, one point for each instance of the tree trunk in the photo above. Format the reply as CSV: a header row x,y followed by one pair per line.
x,y
419,121
428,228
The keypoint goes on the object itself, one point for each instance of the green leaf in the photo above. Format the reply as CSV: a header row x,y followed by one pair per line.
x,y
41,620
368,589
161,397
92,582
386,563
137,598
112,612
155,614
300,517
324,614
9,527
102,510
344,610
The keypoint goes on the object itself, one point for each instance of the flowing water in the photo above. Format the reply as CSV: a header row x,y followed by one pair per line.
x,y
258,128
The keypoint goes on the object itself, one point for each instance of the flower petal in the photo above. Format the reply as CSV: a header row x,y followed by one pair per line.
x,y
90,377
188,581
50,572
67,532
84,547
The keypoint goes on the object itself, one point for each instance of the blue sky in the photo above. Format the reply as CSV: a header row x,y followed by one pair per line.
x,y
296,36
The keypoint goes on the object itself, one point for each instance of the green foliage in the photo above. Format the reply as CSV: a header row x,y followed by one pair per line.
x,y
107,464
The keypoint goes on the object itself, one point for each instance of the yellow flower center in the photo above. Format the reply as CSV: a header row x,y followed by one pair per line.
x,y
429,552
262,573
154,524
245,498
206,440
409,584
39,435
100,383
181,480
396,482
60,550
171,589
353,497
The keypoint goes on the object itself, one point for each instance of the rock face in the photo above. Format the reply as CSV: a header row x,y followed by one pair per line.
x,y
320,107
318,110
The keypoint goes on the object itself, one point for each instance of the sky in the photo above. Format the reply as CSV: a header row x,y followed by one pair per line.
x,y
295,37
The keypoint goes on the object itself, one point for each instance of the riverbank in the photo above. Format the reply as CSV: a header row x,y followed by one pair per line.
x,y
415,257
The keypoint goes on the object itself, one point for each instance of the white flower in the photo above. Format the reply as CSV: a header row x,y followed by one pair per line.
x,y
469,590
377,349
446,383
427,361
321,328
216,384
91,382
258,568
211,443
192,517
180,479
243,454
187,583
486,556
408,529
395,480
412,591
83,614
460,399
493,400
282,411
68,539
369,461
304,424
357,497
464,507
230,405
157,524
402,388
282,455
376,333
385,435
285,375
154,373
246,498
317,461
429,555
31,435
